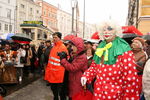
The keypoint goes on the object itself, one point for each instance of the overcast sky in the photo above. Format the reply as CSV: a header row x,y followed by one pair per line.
x,y
97,10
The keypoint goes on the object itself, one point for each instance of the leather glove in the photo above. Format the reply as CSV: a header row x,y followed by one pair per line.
x,y
83,81
62,55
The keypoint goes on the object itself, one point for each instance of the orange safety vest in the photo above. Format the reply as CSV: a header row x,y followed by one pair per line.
x,y
1,97
54,72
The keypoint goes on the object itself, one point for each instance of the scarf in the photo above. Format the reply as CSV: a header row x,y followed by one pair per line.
x,y
110,51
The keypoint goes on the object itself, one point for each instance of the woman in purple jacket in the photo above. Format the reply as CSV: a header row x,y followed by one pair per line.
x,y
76,67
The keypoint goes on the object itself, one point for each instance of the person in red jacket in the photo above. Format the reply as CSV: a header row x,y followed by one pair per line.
x,y
76,67
54,72
114,68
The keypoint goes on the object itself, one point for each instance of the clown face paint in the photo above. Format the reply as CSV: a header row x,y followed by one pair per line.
x,y
108,32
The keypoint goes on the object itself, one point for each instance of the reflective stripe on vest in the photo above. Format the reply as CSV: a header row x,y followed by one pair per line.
x,y
53,58
53,63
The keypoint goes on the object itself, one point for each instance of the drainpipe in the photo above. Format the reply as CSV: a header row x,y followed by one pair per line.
x,y
137,15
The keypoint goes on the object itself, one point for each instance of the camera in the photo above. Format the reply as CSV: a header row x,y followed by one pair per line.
x,y
62,54
59,53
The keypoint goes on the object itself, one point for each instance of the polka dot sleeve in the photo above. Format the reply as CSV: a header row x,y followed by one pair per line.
x,y
131,86
90,73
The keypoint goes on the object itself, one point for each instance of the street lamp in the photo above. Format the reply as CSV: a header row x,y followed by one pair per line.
x,y
73,5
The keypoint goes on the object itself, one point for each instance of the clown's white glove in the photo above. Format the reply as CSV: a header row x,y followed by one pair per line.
x,y
83,81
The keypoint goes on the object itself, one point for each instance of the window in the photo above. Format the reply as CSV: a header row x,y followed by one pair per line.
x,y
54,16
22,6
0,10
8,13
49,23
6,27
40,4
32,35
8,1
0,26
37,11
44,13
45,36
10,28
31,10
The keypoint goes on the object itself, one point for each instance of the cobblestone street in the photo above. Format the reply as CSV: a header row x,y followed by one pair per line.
x,y
34,91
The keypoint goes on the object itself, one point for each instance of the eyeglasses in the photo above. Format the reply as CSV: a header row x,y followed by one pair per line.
x,y
109,28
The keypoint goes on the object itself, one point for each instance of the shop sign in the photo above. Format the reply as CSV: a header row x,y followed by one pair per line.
x,y
33,22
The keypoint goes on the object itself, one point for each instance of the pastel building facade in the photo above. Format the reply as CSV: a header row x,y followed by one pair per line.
x,y
7,16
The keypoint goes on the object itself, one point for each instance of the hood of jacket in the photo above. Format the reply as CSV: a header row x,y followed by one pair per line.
x,y
78,42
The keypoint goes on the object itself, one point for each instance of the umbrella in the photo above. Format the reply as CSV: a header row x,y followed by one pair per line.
x,y
21,38
146,37
9,35
6,36
83,95
128,37
3,42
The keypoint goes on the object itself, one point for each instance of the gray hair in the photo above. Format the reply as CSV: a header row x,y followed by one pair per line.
x,y
113,24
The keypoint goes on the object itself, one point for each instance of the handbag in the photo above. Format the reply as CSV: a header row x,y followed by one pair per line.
x,y
23,60
36,62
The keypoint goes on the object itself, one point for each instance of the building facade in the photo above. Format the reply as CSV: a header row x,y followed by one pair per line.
x,y
29,21
64,22
65,25
88,30
7,16
27,10
49,15
139,15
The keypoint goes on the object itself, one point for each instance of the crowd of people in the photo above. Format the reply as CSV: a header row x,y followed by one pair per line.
x,y
113,70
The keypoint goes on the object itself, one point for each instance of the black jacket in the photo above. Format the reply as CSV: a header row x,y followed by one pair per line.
x,y
46,54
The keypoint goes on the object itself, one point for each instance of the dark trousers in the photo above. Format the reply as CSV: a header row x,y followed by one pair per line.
x,y
58,90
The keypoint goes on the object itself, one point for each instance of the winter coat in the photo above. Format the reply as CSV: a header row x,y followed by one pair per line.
x,y
146,80
21,53
28,57
46,54
148,50
140,59
76,67
118,81
54,72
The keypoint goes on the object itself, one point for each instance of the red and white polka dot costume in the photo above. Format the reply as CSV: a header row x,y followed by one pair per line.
x,y
118,81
